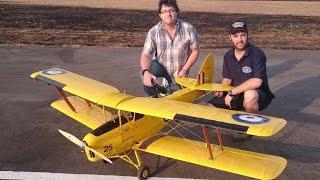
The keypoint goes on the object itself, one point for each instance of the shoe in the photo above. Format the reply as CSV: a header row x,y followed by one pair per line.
x,y
240,137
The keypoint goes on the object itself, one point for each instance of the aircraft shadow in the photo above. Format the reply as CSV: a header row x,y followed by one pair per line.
x,y
275,70
294,152
293,98
161,166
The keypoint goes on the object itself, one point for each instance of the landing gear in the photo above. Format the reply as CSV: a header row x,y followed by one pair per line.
x,y
143,172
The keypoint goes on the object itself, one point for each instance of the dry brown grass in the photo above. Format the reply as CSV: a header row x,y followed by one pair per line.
x,y
83,26
270,7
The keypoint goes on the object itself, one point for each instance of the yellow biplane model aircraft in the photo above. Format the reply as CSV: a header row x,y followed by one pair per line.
x,y
123,124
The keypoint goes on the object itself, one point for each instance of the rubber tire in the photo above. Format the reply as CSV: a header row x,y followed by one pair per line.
x,y
143,172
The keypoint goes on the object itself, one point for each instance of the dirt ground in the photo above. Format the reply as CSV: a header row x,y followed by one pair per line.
x,y
57,23
273,7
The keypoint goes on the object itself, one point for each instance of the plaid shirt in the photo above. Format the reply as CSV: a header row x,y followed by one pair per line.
x,y
174,53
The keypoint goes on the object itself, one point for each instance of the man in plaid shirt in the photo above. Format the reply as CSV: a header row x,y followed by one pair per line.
x,y
173,43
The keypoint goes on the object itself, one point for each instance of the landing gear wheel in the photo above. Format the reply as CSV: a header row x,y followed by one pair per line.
x,y
143,172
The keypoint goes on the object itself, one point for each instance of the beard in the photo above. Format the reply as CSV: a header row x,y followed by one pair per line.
x,y
240,46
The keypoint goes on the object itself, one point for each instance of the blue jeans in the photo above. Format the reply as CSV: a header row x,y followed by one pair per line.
x,y
157,70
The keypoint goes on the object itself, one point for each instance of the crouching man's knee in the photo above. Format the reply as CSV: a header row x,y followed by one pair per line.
x,y
251,101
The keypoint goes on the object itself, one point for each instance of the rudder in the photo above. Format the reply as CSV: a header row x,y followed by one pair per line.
x,y
205,74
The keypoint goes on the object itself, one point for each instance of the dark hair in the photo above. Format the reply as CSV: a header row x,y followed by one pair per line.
x,y
172,3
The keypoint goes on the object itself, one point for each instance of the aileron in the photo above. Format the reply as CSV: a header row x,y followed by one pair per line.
x,y
210,122
50,81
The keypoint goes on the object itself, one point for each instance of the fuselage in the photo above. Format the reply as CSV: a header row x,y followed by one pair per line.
x,y
118,135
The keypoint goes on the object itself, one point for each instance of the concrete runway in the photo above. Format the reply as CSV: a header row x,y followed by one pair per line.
x,y
30,140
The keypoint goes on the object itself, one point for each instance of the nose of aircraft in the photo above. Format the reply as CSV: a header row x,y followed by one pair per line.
x,y
82,145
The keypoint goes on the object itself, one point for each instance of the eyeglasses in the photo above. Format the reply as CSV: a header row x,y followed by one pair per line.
x,y
170,11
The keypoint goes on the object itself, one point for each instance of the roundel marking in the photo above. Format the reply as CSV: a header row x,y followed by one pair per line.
x,y
250,118
54,71
246,69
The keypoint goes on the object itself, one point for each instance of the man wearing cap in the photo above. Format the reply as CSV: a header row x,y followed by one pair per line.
x,y
244,68
173,43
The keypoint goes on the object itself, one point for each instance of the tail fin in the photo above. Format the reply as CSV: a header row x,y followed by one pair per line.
x,y
205,74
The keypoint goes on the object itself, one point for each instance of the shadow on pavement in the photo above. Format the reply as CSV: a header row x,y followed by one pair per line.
x,y
162,166
293,98
286,66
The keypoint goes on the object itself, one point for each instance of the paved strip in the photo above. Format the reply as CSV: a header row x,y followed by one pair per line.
x,y
55,176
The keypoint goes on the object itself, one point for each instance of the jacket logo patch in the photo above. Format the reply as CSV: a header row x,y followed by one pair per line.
x,y
246,69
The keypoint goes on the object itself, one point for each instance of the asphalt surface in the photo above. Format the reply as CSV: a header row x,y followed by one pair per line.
x,y
30,140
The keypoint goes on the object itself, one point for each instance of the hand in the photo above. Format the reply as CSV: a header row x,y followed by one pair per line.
x,y
227,100
218,93
182,73
147,77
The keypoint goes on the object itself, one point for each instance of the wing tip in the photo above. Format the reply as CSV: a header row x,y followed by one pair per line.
x,y
35,74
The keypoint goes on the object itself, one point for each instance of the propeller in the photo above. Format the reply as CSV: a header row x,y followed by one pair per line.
x,y
81,144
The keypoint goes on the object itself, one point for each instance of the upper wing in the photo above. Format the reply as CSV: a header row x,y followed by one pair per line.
x,y
257,125
255,165
106,95
81,86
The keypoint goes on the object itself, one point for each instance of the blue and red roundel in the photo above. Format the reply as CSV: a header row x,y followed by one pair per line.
x,y
53,71
250,118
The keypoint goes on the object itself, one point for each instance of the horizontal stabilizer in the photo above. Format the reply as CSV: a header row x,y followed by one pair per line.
x,y
191,84
246,163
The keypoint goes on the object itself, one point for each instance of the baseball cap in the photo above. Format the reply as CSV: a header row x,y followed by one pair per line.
x,y
239,26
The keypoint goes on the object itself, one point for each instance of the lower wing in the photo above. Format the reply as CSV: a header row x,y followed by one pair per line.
x,y
92,116
246,163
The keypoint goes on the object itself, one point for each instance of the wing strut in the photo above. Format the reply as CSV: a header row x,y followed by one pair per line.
x,y
200,80
88,102
66,99
219,138
206,136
